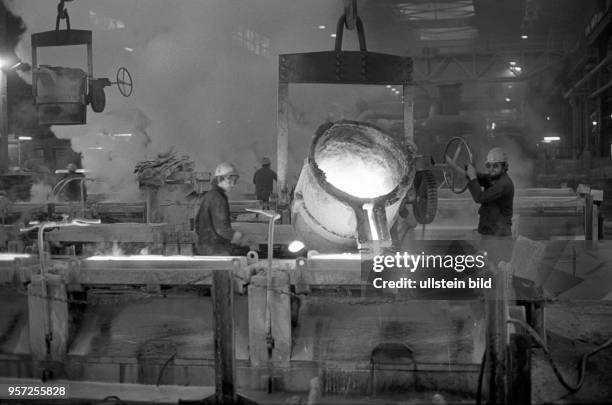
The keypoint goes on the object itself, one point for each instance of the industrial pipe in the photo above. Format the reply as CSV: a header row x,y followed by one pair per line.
x,y
600,90
588,76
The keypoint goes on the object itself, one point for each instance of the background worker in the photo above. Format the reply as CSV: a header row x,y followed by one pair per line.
x,y
264,179
212,225
73,190
5,208
494,191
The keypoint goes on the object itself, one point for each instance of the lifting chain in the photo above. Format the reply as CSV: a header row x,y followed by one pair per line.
x,y
62,14
350,12
350,19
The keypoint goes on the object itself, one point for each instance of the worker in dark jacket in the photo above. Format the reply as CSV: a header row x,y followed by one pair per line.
x,y
74,188
494,191
213,227
264,179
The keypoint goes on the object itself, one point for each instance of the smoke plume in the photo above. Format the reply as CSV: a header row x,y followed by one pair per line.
x,y
205,79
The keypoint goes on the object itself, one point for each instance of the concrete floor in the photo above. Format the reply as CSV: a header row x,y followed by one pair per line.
x,y
575,328
338,336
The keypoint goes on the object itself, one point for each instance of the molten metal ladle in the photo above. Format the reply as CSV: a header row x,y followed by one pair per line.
x,y
352,165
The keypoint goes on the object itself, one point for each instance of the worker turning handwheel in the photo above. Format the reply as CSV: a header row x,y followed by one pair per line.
x,y
494,191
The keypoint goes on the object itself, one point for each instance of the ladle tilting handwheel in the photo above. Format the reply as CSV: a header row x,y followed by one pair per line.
x,y
96,96
124,82
459,151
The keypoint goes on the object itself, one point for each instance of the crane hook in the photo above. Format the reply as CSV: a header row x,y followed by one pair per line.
x,y
62,14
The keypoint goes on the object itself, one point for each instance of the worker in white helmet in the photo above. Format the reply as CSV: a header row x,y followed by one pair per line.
x,y
494,191
212,225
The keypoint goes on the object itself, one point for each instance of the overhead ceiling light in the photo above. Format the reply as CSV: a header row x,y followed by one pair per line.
x,y
333,35
435,11
129,49
321,27
447,34
388,86
524,36
547,118
512,63
25,138
549,139
123,135
508,99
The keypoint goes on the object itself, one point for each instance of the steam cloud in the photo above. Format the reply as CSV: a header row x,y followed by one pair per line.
x,y
197,85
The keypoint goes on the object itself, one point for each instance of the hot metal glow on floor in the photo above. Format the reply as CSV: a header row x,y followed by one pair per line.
x,y
161,258
12,256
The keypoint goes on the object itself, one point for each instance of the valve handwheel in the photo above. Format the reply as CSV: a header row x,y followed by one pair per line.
x,y
461,154
124,82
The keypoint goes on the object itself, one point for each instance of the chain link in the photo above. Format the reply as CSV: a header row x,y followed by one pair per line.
x,y
62,14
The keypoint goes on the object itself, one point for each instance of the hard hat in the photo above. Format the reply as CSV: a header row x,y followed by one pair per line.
x,y
225,169
71,167
497,155
265,161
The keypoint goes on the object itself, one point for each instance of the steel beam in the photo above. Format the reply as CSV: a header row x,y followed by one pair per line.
x,y
100,233
497,337
225,340
171,270
588,76
328,269
282,140
4,124
345,67
434,70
